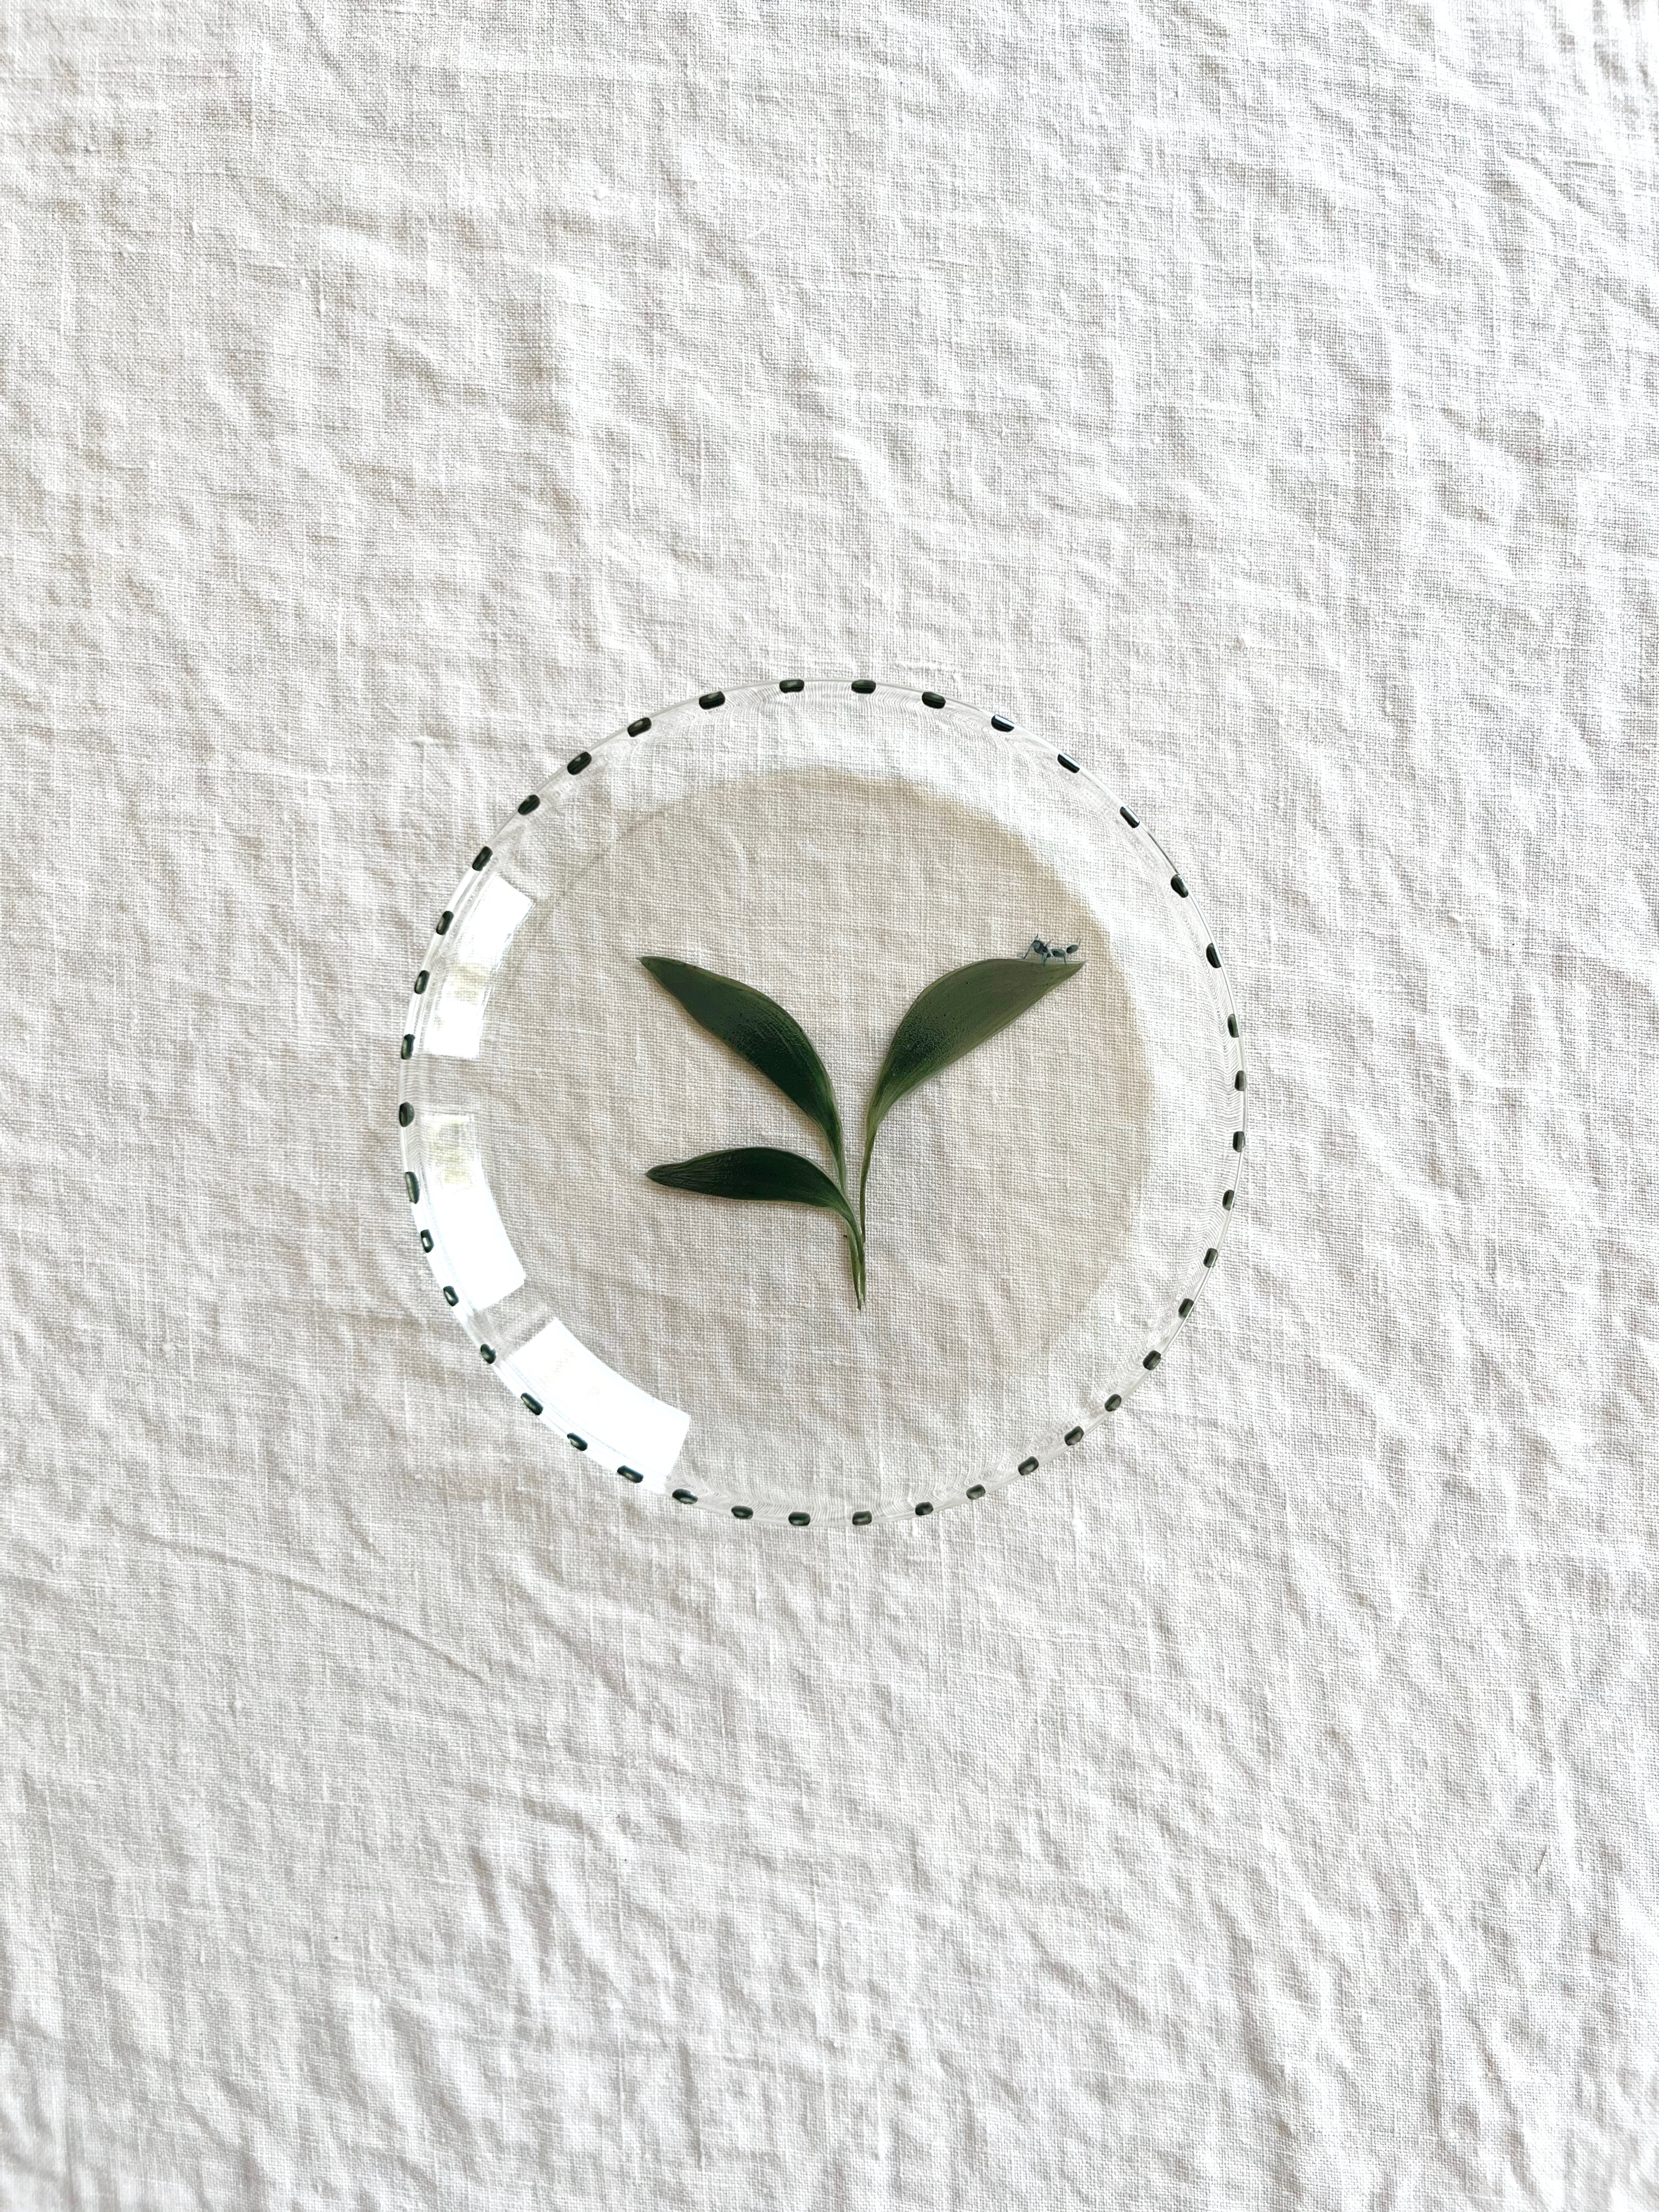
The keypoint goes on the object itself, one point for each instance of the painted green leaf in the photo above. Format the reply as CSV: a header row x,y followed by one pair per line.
x,y
762,1171
962,1011
760,1032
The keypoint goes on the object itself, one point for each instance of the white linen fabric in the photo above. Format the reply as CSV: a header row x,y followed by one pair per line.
x,y
1259,1811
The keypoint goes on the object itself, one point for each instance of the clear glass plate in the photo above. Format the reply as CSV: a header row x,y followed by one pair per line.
x,y
1042,1216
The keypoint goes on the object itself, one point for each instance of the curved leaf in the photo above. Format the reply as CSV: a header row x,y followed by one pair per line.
x,y
763,1172
760,1032
962,1011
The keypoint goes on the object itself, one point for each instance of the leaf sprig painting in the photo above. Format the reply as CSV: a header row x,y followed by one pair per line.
x,y
962,1010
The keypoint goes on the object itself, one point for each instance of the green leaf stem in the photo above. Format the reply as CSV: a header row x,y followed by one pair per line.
x,y
761,1171
952,1017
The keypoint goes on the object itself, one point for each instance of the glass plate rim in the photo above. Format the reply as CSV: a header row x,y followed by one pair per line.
x,y
483,868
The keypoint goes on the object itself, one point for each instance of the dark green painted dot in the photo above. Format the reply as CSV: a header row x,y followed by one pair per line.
x,y
577,762
1232,1025
1212,955
864,685
1028,1466
534,1404
1211,1256
580,1443
1184,1308
1113,1402
1075,1436
1238,1140
923,1509
529,805
800,1520
444,921
712,699
1001,722
406,1048
412,1185
977,1489
686,1496
1238,1080
933,698
630,1474
638,729
1066,761
405,1114
1227,1197
1177,887
420,982
742,1512
426,1239
792,683
862,1520
1132,820
483,858
487,1353
451,1297
1151,1360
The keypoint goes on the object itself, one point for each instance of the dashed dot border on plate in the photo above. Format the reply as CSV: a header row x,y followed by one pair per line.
x,y
1112,1396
